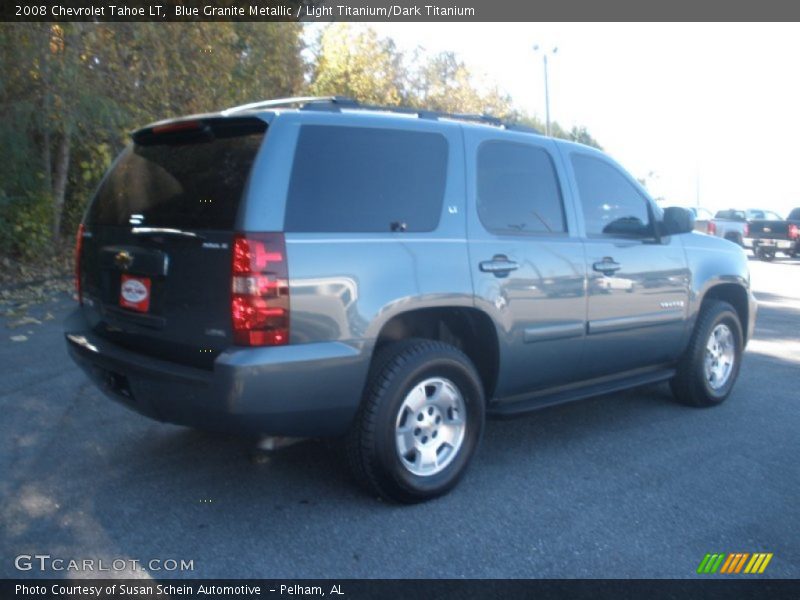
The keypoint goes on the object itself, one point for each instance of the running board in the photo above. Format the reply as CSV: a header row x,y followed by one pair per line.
x,y
529,403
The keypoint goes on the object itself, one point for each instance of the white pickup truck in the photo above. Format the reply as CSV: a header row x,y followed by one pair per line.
x,y
734,225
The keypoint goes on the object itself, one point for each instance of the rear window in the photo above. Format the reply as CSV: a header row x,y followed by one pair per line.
x,y
358,179
189,185
734,215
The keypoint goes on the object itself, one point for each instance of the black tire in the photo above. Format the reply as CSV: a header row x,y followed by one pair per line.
x,y
735,238
371,445
690,385
764,254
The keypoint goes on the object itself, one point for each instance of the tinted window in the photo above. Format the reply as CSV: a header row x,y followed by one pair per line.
x,y
763,214
794,215
735,215
182,185
366,180
518,190
611,204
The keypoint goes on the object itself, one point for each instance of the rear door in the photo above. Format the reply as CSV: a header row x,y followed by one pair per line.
x,y
156,262
638,283
526,260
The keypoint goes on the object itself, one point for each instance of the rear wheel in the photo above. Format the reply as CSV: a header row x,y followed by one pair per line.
x,y
709,367
420,421
764,254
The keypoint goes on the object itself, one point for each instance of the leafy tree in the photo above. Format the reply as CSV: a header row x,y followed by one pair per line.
x,y
355,62
445,83
73,91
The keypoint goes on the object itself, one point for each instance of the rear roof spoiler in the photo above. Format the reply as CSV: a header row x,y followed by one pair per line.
x,y
197,128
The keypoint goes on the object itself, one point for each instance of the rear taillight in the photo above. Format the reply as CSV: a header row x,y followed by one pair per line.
x,y
711,228
78,252
260,290
746,230
794,231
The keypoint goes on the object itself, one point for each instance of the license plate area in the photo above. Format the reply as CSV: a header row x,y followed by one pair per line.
x,y
134,292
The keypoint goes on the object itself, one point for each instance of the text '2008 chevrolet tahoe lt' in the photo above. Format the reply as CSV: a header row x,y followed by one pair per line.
x,y
320,267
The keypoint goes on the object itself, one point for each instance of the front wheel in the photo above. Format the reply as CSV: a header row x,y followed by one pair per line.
x,y
710,365
420,421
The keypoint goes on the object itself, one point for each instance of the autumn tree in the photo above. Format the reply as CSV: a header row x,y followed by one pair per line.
x,y
354,61
74,90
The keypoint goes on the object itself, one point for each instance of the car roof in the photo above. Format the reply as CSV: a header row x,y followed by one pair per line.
x,y
337,107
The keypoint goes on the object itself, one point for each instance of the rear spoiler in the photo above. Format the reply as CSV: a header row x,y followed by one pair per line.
x,y
197,129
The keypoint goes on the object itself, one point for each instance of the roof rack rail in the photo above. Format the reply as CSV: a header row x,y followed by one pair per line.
x,y
338,103
300,101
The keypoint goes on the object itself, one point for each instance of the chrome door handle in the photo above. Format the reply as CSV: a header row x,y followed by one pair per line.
x,y
607,266
499,265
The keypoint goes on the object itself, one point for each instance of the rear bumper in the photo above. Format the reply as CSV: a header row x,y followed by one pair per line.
x,y
782,245
300,390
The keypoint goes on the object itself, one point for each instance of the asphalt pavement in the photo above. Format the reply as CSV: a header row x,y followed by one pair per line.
x,y
626,485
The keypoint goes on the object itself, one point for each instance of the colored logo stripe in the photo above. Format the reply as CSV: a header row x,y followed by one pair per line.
x,y
734,563
758,563
710,563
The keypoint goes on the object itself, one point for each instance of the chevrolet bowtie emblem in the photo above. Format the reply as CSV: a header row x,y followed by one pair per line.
x,y
123,260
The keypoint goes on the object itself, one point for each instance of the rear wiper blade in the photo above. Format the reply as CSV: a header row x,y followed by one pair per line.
x,y
166,231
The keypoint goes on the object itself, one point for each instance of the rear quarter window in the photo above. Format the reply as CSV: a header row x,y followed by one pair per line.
x,y
360,179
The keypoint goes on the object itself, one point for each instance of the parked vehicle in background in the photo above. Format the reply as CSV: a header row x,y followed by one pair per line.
x,y
702,217
318,267
731,225
769,236
734,225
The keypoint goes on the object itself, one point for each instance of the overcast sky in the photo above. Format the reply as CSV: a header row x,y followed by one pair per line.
x,y
714,104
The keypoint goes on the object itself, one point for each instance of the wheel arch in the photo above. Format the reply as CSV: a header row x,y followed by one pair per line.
x,y
467,328
737,296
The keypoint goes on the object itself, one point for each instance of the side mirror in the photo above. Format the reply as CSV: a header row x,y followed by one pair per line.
x,y
677,220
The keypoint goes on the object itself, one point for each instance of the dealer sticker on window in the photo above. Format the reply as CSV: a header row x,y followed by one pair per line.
x,y
134,293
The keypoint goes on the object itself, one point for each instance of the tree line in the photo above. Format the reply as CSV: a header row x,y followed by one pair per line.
x,y
70,93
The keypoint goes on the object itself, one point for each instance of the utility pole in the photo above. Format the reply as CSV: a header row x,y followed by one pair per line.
x,y
545,53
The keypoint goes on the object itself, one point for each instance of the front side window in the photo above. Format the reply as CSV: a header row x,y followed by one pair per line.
x,y
518,190
611,205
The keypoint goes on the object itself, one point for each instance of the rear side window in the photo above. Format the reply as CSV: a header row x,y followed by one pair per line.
x,y
518,191
794,215
734,215
358,179
194,185
611,204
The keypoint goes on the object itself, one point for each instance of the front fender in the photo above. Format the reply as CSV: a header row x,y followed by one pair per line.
x,y
720,269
